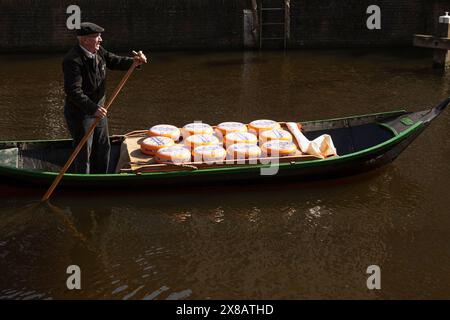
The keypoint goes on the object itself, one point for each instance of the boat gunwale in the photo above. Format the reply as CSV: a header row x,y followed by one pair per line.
x,y
387,114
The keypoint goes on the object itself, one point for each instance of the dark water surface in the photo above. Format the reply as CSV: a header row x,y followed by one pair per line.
x,y
291,241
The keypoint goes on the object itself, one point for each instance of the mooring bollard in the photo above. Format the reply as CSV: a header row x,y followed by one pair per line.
x,y
440,43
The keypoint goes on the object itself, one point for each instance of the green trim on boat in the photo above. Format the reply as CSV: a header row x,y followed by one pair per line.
x,y
407,121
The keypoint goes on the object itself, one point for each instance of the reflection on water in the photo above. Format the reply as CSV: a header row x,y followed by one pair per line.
x,y
294,241
288,241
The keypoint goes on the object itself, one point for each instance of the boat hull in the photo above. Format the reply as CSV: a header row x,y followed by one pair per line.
x,y
298,171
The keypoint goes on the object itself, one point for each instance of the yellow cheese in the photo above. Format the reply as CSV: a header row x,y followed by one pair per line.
x,y
240,137
259,126
275,134
174,154
151,145
196,128
197,140
165,130
209,154
279,148
227,127
243,151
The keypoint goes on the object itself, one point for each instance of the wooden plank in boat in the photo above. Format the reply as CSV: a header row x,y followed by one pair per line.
x,y
151,167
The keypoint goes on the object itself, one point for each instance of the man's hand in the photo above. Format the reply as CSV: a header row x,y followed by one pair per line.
x,y
101,112
139,57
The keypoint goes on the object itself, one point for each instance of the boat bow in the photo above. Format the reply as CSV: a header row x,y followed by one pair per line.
x,y
436,111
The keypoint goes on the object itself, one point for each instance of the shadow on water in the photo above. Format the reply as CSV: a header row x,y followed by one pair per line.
x,y
32,238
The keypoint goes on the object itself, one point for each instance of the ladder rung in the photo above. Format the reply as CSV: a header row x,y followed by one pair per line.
x,y
271,9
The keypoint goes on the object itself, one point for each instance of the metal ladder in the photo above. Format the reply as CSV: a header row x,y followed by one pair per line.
x,y
270,28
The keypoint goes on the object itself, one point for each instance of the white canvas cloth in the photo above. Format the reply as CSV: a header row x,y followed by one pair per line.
x,y
321,146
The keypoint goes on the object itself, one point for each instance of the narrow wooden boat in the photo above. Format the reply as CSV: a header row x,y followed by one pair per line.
x,y
363,143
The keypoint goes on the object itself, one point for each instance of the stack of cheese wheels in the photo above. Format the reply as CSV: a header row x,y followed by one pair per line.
x,y
196,128
259,126
165,130
243,151
240,137
174,154
151,145
228,127
209,154
197,140
278,148
275,134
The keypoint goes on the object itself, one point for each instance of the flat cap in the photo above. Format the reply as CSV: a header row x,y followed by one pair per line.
x,y
87,28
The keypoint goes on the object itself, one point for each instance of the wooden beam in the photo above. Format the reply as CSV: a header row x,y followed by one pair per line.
x,y
426,41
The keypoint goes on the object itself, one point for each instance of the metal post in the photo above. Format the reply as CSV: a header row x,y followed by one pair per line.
x,y
441,58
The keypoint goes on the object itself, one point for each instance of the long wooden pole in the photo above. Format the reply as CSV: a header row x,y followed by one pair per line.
x,y
87,135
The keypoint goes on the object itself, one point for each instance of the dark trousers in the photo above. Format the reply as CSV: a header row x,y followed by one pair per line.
x,y
94,156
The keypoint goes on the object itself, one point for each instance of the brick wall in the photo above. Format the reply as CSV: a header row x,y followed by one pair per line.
x,y
343,23
39,25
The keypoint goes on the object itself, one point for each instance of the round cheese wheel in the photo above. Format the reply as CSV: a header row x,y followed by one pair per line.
x,y
240,137
243,151
275,134
197,140
165,130
173,154
209,154
151,145
279,148
227,127
259,126
196,128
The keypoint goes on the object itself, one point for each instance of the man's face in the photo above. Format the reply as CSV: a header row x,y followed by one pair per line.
x,y
92,42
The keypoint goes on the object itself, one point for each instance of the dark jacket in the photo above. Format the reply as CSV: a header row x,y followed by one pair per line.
x,y
84,81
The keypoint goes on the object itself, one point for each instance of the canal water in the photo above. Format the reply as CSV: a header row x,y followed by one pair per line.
x,y
278,241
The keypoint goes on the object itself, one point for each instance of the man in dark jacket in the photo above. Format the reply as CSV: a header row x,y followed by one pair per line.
x,y
84,70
